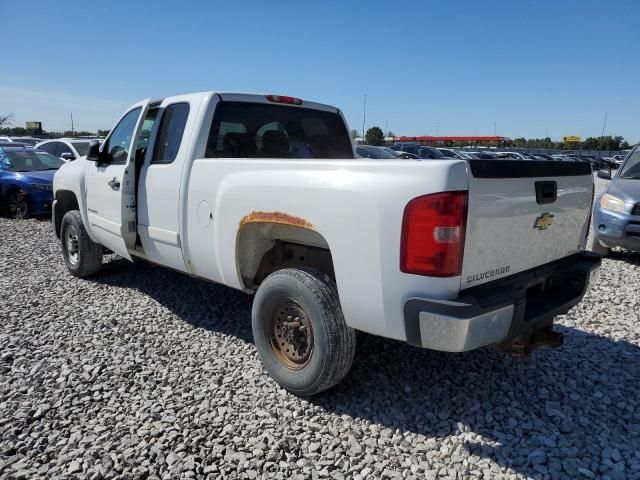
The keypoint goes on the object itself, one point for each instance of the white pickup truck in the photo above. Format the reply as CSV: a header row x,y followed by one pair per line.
x,y
263,193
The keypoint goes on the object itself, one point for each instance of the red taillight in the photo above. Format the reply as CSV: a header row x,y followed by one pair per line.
x,y
283,99
433,229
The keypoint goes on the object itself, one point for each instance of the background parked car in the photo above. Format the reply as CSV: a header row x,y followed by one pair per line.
x,y
484,155
26,181
448,152
26,140
371,151
12,144
513,155
616,213
66,148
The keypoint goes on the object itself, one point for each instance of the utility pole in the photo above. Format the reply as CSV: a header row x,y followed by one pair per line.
x,y
72,134
495,130
364,116
604,124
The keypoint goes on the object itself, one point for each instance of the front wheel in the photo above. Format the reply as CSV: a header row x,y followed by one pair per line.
x,y
17,205
82,256
300,332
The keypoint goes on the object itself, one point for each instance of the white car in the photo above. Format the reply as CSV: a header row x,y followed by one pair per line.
x,y
263,193
67,149
30,141
563,158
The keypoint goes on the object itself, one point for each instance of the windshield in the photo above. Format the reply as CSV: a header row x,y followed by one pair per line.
x,y
30,161
631,167
81,147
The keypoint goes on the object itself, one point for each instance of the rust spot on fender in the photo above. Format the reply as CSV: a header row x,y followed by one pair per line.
x,y
275,217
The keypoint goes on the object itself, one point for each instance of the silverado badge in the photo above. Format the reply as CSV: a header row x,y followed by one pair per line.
x,y
544,221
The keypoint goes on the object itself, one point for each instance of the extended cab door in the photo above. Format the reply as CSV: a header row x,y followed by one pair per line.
x,y
111,200
159,192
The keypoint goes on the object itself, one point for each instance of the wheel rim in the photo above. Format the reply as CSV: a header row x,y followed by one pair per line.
x,y
291,335
71,244
17,205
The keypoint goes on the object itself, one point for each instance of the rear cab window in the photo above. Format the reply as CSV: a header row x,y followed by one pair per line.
x,y
172,126
256,130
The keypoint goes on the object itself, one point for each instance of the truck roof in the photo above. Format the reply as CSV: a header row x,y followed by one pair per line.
x,y
265,98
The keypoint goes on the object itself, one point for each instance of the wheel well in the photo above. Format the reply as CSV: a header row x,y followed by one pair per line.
x,y
66,201
263,248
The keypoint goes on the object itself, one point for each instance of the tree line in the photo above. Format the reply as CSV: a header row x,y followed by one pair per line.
x,y
375,136
591,143
9,130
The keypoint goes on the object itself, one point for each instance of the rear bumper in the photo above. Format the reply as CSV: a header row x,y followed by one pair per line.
x,y
499,311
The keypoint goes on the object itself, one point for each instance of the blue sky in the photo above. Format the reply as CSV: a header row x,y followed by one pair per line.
x,y
427,67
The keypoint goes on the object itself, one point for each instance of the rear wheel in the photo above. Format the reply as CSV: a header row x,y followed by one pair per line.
x,y
17,205
82,256
598,248
300,332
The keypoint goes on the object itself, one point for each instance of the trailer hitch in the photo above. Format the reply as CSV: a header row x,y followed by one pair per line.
x,y
522,346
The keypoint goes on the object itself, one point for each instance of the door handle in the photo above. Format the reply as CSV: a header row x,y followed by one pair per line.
x,y
114,183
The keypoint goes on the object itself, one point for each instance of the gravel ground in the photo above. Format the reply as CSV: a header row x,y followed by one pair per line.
x,y
146,373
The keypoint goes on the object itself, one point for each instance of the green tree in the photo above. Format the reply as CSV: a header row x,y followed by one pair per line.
x,y
374,136
103,133
354,134
390,134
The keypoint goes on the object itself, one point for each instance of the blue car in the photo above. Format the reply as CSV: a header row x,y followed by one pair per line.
x,y
26,181
616,216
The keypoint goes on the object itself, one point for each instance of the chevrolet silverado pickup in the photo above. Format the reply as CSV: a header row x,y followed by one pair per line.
x,y
264,193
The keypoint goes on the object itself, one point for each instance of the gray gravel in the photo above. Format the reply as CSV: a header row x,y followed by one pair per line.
x,y
146,373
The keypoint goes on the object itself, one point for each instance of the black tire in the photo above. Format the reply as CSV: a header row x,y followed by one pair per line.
x,y
17,205
82,256
314,298
598,248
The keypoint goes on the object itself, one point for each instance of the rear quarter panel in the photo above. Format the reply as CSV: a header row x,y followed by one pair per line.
x,y
356,205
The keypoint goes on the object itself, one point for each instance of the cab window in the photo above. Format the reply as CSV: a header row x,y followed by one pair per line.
x,y
172,125
259,130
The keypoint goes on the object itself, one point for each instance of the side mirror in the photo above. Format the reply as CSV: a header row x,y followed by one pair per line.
x,y
606,174
68,156
95,155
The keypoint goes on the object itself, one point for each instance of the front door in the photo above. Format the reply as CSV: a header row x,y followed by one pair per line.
x,y
111,192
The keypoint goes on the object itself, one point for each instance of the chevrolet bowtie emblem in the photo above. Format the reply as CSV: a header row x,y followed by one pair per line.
x,y
544,221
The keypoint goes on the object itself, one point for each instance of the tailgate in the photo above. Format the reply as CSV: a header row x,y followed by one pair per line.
x,y
523,214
